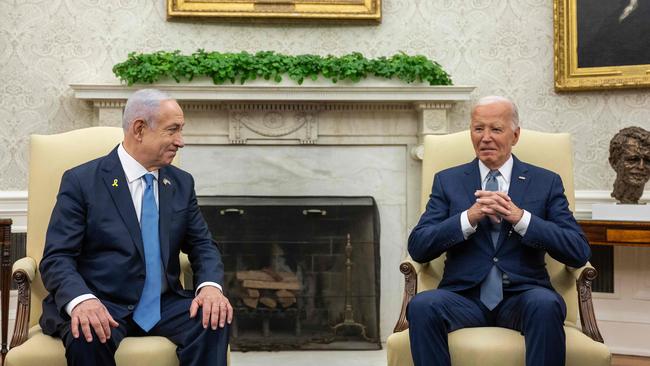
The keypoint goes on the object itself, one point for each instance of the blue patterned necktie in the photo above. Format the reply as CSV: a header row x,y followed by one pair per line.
x,y
492,285
147,312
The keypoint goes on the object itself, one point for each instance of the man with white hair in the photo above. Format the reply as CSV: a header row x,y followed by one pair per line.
x,y
495,217
111,257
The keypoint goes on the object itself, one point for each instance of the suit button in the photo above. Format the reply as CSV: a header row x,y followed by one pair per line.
x,y
495,259
130,307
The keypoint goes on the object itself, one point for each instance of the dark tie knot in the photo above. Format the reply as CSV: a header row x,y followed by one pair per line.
x,y
493,174
148,178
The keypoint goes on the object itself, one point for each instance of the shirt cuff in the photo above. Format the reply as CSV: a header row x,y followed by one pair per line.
x,y
74,302
522,226
203,284
465,226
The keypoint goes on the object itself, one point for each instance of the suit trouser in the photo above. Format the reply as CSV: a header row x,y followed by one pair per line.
x,y
537,313
196,346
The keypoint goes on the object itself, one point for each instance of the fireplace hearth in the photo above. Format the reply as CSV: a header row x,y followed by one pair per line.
x,y
301,272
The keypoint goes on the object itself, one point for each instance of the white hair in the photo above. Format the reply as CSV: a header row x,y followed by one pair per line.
x,y
491,99
144,104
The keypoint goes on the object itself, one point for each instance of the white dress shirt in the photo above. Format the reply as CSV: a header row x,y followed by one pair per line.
x,y
134,172
504,184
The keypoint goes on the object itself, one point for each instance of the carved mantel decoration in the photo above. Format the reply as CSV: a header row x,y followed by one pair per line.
x,y
273,124
360,114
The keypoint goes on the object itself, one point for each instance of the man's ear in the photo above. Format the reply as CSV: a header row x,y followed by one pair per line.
x,y
137,129
516,132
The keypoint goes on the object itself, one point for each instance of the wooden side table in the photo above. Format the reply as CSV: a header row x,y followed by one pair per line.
x,y
617,233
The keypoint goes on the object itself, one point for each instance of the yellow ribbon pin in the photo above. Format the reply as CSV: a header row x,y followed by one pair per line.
x,y
114,183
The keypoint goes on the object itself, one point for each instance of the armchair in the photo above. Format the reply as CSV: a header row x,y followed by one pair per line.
x,y
50,156
494,345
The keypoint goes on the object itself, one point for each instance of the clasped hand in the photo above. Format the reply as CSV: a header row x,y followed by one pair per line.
x,y
495,205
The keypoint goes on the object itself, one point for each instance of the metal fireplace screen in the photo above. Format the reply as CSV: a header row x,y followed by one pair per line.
x,y
301,272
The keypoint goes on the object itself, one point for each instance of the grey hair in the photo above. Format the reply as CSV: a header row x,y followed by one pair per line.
x,y
498,99
143,104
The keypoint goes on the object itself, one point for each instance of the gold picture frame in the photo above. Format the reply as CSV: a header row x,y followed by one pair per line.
x,y
596,45
291,10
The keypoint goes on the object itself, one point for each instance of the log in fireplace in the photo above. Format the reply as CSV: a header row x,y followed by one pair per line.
x,y
301,272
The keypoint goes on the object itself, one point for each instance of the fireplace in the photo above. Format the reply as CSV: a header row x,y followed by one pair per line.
x,y
301,272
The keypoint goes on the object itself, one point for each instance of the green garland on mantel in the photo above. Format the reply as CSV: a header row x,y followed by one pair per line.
x,y
269,65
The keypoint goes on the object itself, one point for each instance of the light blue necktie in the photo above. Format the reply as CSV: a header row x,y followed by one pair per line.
x,y
147,312
492,285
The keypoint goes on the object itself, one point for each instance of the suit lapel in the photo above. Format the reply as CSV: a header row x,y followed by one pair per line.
x,y
116,183
519,181
472,181
165,195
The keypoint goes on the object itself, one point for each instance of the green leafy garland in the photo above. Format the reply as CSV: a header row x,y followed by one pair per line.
x,y
243,66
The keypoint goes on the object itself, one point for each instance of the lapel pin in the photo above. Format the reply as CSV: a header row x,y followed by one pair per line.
x,y
522,177
114,183
166,181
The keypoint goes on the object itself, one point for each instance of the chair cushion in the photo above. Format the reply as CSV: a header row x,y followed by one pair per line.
x,y
41,349
492,346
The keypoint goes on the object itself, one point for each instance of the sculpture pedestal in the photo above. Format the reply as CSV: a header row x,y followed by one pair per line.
x,y
620,212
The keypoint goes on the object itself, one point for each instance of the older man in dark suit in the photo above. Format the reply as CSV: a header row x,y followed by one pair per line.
x,y
496,217
111,259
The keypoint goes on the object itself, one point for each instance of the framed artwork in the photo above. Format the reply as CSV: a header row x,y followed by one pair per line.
x,y
292,10
601,44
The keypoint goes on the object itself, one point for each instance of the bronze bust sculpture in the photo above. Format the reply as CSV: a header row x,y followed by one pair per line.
x,y
629,155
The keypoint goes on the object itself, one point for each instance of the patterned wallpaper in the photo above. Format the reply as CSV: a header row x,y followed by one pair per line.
x,y
502,47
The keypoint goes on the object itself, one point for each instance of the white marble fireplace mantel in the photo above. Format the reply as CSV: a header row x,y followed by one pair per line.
x,y
288,113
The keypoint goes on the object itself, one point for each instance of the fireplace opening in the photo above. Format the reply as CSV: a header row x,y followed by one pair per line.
x,y
300,272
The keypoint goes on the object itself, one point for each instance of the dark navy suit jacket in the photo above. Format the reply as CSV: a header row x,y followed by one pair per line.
x,y
552,229
94,244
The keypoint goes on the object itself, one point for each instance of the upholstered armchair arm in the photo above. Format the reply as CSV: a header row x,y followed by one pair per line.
x,y
24,272
584,277
27,265
186,272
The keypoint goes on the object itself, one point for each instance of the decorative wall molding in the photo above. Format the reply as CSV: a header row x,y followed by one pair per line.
x,y
13,205
586,198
